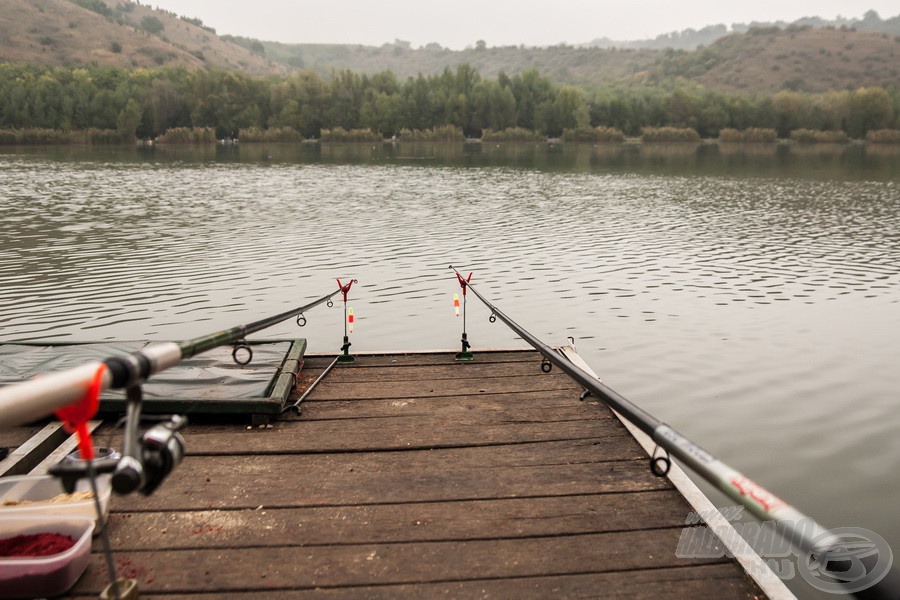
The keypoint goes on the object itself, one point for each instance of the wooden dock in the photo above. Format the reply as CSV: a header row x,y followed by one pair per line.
x,y
414,475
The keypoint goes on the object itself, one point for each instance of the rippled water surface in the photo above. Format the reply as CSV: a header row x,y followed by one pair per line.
x,y
748,297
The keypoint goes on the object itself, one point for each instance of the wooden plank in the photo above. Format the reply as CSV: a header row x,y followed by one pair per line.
x,y
700,582
27,456
393,477
417,359
406,433
448,387
465,370
298,567
544,401
386,523
14,437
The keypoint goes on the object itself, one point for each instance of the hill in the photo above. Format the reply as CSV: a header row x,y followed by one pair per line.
x,y
691,39
769,59
130,35
111,33
807,59
564,64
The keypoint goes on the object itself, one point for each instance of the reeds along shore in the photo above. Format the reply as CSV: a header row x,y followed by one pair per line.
x,y
445,133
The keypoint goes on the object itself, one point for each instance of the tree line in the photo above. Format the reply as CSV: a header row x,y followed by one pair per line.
x,y
147,103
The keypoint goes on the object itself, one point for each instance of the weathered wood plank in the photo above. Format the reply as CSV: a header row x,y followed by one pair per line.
x,y
700,582
406,433
405,425
475,473
465,370
386,523
446,387
298,567
439,358
14,437
32,451
544,401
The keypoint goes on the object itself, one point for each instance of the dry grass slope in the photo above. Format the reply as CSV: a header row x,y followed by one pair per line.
x,y
59,32
807,60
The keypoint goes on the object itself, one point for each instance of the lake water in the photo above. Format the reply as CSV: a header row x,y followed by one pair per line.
x,y
747,296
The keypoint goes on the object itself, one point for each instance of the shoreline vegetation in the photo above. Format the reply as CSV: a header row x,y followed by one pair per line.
x,y
448,133
101,105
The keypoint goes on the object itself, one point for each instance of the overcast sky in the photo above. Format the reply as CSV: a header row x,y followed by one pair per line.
x,y
460,23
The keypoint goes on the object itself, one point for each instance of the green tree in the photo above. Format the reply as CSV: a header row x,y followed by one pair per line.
x,y
870,108
152,25
130,118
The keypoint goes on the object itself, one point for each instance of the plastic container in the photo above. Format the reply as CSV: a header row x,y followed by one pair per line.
x,y
36,488
99,452
45,576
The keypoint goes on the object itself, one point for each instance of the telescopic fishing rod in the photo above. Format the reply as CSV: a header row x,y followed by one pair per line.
x,y
802,531
30,400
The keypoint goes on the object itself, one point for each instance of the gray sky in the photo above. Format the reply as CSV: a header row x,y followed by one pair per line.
x,y
461,22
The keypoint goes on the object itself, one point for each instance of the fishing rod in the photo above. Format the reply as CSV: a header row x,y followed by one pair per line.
x,y
30,400
799,529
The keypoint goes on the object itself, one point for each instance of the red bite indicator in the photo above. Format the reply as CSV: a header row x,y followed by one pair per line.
x,y
456,304
350,319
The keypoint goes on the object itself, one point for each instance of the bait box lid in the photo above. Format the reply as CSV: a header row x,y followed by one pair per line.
x,y
44,576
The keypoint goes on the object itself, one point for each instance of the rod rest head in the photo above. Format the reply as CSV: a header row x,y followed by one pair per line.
x,y
70,472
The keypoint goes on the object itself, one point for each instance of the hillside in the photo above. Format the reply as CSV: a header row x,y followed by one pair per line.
x,y
691,39
130,35
802,58
563,64
762,59
126,35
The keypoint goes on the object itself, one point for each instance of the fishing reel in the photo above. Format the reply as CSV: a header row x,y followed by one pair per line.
x,y
149,458
158,451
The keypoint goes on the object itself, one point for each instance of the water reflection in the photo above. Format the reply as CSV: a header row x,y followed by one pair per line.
x,y
851,161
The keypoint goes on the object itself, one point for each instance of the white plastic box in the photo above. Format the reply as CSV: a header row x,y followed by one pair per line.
x,y
44,487
45,576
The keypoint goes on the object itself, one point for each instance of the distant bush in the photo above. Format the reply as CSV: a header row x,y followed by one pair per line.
x,y
811,136
98,6
101,136
272,134
339,134
883,136
115,47
188,135
33,136
669,134
442,133
593,134
151,24
771,30
47,41
752,134
511,134
36,136
198,23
